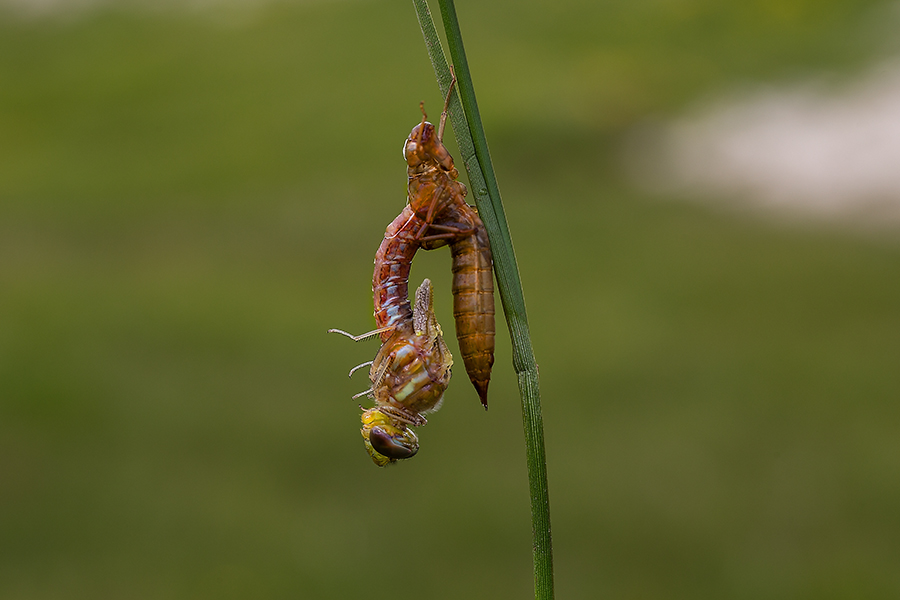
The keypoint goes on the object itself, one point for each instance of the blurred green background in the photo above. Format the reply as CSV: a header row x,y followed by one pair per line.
x,y
190,198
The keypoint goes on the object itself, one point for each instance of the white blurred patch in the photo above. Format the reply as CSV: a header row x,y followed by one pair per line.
x,y
812,149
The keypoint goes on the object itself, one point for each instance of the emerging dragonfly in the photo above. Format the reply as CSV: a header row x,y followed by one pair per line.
x,y
409,376
412,369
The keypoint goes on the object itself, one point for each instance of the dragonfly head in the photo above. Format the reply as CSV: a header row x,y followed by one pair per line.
x,y
423,146
387,440
415,148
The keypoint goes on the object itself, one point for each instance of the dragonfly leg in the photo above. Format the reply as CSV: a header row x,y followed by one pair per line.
x,y
414,419
363,336
361,394
380,373
451,230
429,224
450,233
358,367
446,105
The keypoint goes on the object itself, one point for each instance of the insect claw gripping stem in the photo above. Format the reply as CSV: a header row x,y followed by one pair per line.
x,y
446,105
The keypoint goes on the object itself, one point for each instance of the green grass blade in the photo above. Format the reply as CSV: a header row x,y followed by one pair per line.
x,y
472,142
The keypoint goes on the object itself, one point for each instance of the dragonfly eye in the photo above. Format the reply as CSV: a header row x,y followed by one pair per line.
x,y
407,150
392,447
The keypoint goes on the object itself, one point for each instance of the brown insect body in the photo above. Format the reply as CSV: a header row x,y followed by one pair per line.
x,y
390,282
473,305
411,371
438,200
431,200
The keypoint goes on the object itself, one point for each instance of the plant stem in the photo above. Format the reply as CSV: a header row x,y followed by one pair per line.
x,y
476,158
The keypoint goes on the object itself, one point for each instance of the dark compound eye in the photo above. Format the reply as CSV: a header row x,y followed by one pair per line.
x,y
389,446
427,132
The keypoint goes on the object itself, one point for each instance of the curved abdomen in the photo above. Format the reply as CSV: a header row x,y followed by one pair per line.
x,y
390,281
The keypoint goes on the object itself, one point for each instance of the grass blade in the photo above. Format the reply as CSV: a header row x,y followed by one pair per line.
x,y
466,123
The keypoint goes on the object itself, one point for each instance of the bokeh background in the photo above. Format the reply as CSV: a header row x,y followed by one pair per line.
x,y
191,194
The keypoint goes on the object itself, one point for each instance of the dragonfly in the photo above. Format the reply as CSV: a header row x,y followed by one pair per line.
x,y
411,371
409,376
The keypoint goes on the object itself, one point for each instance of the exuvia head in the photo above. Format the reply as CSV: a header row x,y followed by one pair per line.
x,y
417,145
424,145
